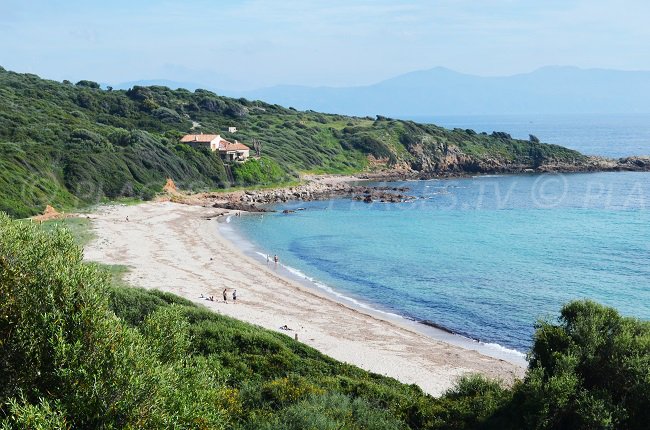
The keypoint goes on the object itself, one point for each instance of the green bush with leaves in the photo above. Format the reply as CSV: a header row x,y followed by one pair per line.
x,y
62,348
77,352
590,370
264,171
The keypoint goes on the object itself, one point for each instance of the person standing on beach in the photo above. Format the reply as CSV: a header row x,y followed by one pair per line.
x,y
276,259
225,296
234,296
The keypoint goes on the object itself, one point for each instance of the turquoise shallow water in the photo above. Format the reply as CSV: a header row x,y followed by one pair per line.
x,y
484,257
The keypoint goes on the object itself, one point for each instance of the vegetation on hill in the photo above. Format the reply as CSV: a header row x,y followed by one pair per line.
x,y
77,351
70,144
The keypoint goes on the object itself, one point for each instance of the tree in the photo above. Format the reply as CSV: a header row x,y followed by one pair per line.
x,y
87,84
257,145
590,370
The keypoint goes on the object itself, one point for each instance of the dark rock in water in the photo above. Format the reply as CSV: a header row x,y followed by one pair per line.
x,y
368,199
438,326
240,206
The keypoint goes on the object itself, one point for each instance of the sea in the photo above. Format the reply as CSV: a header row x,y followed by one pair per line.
x,y
485,257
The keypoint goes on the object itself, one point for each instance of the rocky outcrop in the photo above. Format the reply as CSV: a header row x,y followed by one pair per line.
x,y
458,164
254,201
380,194
637,163
443,162
240,206
601,164
431,158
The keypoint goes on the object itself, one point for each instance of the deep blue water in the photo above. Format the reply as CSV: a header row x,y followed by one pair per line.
x,y
486,256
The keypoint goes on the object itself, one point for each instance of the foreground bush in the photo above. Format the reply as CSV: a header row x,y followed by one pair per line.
x,y
591,370
62,349
76,352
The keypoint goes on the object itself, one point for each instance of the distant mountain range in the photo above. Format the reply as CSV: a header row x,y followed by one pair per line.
x,y
441,91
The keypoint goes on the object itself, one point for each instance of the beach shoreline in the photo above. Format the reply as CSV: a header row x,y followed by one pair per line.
x,y
180,249
427,328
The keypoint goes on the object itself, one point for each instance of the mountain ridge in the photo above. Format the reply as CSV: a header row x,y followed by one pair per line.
x,y
550,89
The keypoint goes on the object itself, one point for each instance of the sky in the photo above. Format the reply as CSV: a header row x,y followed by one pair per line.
x,y
248,44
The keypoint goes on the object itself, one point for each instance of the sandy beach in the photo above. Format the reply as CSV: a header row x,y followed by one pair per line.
x,y
179,249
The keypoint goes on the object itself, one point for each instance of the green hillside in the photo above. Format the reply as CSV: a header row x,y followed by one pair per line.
x,y
79,352
75,144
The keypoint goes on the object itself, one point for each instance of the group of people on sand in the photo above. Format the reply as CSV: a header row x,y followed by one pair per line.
x,y
276,260
225,296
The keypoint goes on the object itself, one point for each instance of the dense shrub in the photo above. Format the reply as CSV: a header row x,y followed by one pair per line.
x,y
263,171
62,349
87,84
73,139
78,353
589,370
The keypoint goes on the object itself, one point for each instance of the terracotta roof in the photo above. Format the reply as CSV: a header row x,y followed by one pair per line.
x,y
229,146
204,138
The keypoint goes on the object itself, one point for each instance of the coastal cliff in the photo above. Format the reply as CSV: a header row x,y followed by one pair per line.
x,y
70,145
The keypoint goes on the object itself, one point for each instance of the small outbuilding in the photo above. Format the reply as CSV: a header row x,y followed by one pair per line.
x,y
233,151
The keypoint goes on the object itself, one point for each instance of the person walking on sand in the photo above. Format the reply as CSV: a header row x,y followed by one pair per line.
x,y
276,259
225,296
234,296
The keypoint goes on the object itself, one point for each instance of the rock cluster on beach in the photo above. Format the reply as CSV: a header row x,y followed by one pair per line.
x,y
254,201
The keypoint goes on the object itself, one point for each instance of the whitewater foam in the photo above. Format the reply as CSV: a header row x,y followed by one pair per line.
x,y
329,290
490,349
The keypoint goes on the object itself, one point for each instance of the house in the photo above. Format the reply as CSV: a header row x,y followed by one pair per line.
x,y
232,129
202,140
228,151
233,151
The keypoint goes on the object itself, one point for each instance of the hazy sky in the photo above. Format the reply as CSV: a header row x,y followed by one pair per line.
x,y
248,44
